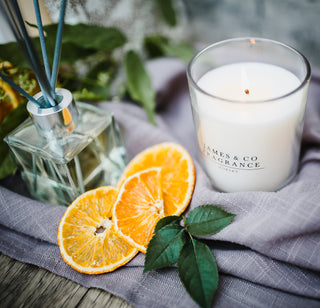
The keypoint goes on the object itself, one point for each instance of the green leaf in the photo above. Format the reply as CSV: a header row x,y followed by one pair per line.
x,y
182,50
95,85
167,11
70,53
154,45
93,95
11,121
168,220
158,46
139,83
207,219
198,272
106,65
164,248
78,42
87,36
7,166
11,52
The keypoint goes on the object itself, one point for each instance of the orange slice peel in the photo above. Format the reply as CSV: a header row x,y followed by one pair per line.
x,y
177,174
139,207
87,238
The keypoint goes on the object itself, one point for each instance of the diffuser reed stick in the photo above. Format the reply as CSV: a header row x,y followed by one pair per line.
x,y
42,39
47,81
16,23
20,90
57,49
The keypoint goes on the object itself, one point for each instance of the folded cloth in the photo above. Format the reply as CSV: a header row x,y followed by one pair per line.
x,y
268,257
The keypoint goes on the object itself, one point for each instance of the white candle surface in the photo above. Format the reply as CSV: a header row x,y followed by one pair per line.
x,y
248,127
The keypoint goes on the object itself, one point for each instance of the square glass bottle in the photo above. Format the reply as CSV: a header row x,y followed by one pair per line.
x,y
67,149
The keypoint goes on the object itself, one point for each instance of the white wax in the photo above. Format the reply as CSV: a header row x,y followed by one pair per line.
x,y
248,142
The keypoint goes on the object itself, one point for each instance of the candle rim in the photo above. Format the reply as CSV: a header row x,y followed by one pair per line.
x,y
249,39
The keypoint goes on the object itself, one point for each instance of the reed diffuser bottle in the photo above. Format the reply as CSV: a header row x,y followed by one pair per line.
x,y
65,148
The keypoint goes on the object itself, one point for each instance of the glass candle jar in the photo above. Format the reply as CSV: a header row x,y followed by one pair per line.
x,y
248,99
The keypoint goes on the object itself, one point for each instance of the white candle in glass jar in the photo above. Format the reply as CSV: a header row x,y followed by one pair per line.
x,y
247,126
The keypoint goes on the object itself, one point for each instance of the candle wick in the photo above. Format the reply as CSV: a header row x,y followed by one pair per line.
x,y
246,91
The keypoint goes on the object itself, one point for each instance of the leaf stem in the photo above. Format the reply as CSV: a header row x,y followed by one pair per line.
x,y
185,227
184,221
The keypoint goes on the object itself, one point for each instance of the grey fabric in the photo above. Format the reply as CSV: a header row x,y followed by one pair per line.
x,y
268,257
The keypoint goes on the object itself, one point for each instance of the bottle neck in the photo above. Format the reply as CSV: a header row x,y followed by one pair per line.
x,y
57,121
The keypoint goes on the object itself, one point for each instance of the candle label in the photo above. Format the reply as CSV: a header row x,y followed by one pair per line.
x,y
231,162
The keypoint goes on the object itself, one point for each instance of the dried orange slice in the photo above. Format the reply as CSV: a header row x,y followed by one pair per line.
x,y
8,99
87,238
139,206
177,174
12,95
